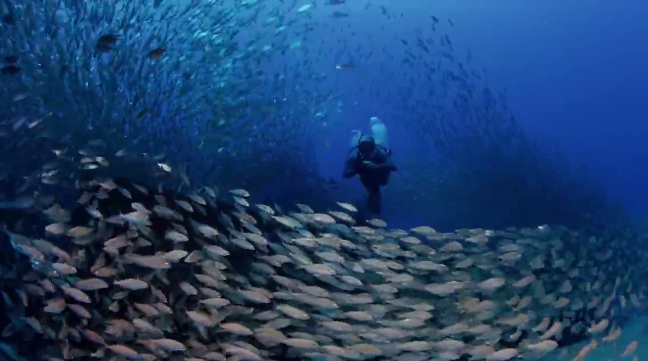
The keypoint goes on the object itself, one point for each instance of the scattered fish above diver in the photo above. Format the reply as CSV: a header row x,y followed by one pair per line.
x,y
339,15
345,67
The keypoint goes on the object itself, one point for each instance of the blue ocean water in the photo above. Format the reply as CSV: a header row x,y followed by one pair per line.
x,y
571,72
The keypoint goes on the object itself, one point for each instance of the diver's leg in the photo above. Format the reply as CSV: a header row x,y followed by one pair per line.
x,y
384,179
374,201
379,131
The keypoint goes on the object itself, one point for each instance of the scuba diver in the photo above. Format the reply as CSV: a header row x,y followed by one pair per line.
x,y
371,162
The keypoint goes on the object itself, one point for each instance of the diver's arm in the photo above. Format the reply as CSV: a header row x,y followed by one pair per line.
x,y
350,169
388,165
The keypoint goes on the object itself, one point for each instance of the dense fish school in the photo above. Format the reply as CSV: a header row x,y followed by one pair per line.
x,y
118,244
142,274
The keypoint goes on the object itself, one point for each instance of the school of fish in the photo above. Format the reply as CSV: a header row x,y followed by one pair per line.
x,y
94,91
157,77
130,272
215,88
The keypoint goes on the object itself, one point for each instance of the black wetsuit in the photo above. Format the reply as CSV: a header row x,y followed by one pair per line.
x,y
372,178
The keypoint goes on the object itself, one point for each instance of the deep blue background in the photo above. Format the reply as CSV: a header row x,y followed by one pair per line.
x,y
575,73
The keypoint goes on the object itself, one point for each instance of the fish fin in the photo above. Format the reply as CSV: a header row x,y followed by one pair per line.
x,y
9,330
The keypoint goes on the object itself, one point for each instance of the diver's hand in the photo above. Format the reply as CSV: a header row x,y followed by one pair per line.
x,y
369,165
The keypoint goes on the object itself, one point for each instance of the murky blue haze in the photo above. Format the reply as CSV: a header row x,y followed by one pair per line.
x,y
572,72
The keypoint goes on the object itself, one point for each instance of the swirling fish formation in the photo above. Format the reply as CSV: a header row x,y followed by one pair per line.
x,y
142,274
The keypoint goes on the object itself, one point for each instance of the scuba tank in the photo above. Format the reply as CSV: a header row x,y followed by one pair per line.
x,y
379,131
